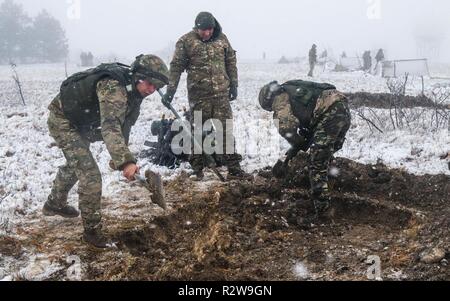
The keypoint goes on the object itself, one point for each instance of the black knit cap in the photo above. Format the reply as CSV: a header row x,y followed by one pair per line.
x,y
205,20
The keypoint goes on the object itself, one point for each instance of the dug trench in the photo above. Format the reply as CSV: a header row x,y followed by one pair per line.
x,y
387,100
242,231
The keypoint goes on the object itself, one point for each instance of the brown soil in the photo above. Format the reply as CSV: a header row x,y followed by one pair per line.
x,y
242,230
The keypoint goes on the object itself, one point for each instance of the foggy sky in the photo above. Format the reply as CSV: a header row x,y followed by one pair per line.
x,y
277,27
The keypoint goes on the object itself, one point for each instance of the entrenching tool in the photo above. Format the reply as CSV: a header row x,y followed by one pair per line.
x,y
153,183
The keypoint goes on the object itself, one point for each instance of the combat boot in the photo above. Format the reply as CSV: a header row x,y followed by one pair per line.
x,y
303,215
321,206
236,173
96,238
65,211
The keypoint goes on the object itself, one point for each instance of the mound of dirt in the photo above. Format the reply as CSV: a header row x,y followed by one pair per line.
x,y
243,230
384,100
377,181
249,230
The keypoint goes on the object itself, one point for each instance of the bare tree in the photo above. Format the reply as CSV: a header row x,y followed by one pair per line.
x,y
397,87
16,79
401,113
440,96
361,113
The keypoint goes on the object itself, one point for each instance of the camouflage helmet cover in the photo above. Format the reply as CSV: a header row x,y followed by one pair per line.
x,y
151,68
267,94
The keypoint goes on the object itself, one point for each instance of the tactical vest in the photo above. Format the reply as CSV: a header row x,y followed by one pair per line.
x,y
303,96
79,98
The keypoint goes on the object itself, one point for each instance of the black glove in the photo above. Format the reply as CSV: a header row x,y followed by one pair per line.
x,y
292,152
233,92
167,99
280,169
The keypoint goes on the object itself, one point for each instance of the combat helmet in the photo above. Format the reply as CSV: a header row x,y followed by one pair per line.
x,y
267,94
152,68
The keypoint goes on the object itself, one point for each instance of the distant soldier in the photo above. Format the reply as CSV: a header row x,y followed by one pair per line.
x,y
312,60
367,61
83,58
90,59
312,117
344,55
100,104
379,58
210,61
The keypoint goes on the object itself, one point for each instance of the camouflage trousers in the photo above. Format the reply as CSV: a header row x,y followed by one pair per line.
x,y
80,167
218,108
329,136
312,66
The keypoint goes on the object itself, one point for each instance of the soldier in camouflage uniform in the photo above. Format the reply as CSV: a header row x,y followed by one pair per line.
x,y
312,60
210,61
100,104
312,117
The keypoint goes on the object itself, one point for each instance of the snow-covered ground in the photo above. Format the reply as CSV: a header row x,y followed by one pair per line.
x,y
29,161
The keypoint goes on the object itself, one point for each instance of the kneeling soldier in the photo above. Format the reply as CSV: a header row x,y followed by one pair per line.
x,y
313,117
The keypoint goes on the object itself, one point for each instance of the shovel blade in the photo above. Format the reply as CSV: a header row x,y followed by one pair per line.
x,y
155,185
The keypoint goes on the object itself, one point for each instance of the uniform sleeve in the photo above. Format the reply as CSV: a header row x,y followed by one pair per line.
x,y
113,107
231,64
178,65
287,123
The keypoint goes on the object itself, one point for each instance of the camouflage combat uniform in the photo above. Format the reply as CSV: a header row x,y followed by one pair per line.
x,y
329,124
312,60
100,104
211,68
81,166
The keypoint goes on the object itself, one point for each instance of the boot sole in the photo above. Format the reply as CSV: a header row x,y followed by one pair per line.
x,y
94,247
47,212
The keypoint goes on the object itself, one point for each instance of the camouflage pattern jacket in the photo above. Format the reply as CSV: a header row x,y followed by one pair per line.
x,y
323,104
211,65
312,56
117,116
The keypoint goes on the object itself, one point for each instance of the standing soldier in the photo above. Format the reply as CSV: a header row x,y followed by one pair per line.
x,y
312,60
367,61
90,59
100,104
313,117
83,58
210,61
379,58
